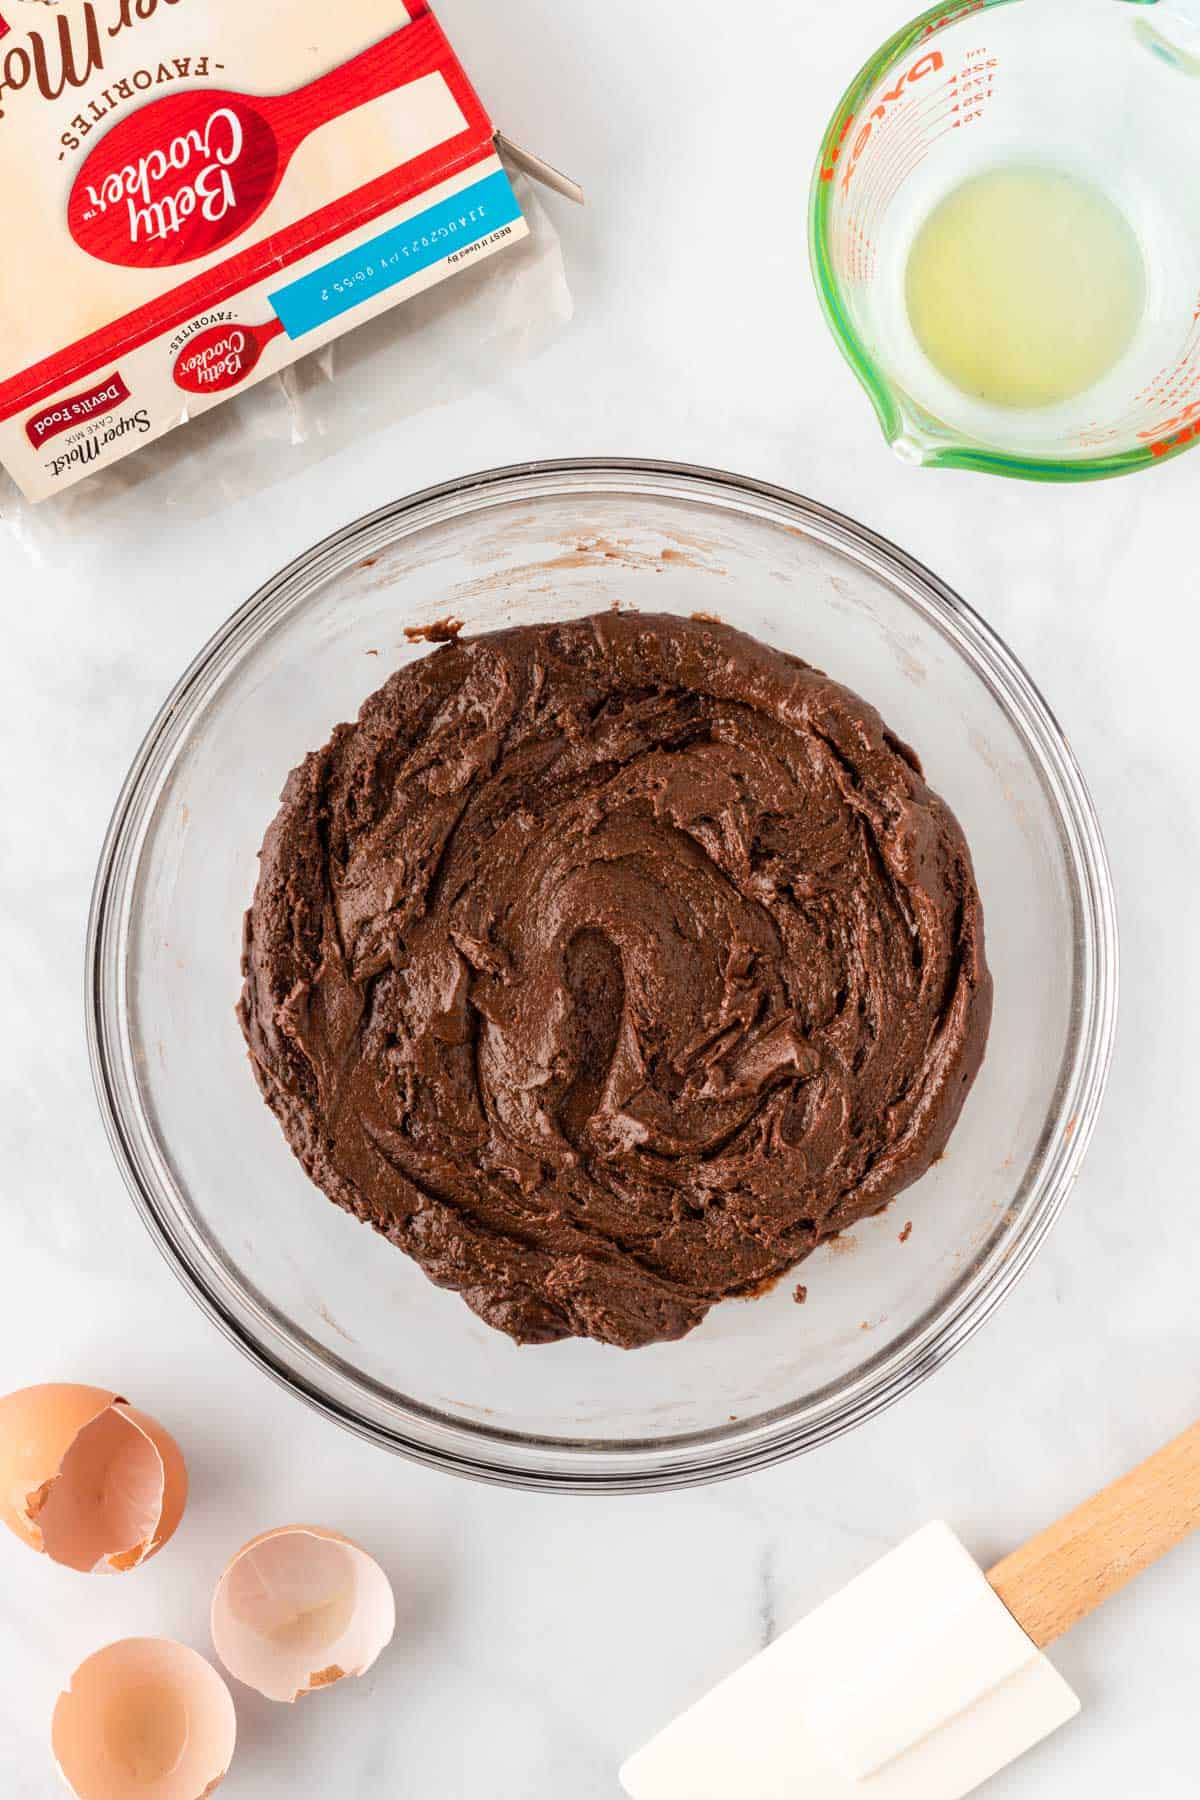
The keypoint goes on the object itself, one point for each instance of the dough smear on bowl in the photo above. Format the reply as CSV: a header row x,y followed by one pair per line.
x,y
608,967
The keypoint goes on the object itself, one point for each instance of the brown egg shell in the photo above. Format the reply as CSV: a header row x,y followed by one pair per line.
x,y
301,1608
86,1479
144,1719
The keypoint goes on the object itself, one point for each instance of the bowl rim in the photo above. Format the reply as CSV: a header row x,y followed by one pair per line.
x,y
515,1459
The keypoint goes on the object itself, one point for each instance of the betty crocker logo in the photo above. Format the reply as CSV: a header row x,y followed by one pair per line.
x,y
182,176
154,196
222,356
176,181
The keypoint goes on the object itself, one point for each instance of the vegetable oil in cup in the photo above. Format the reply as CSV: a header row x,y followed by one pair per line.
x,y
1025,285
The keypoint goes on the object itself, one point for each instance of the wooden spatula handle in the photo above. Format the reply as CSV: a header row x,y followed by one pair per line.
x,y
1064,1573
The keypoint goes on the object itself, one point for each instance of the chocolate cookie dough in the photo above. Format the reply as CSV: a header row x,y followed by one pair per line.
x,y
608,967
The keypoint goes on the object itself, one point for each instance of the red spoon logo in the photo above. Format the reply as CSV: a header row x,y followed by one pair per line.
x,y
222,356
162,189
182,176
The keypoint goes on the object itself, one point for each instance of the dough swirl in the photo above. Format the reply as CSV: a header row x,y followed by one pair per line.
x,y
608,967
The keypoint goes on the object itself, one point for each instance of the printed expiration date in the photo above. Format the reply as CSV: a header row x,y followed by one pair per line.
x,y
396,259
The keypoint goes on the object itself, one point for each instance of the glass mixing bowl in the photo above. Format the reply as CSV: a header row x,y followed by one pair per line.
x,y
338,1314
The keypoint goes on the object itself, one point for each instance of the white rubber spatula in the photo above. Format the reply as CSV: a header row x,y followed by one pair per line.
x,y
924,1676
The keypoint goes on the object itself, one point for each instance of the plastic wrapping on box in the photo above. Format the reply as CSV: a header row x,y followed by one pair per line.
x,y
439,347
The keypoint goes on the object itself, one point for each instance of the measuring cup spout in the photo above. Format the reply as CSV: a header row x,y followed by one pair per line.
x,y
914,439
912,449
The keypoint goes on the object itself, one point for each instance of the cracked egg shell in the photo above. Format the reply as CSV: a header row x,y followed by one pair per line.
x,y
87,1479
301,1608
144,1719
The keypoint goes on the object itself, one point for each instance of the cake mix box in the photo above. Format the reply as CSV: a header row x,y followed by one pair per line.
x,y
196,193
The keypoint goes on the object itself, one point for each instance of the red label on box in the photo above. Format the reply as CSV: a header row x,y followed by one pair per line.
x,y
171,168
77,409
418,49
221,357
187,174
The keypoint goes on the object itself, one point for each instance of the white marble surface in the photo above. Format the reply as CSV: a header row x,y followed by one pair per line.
x,y
541,1639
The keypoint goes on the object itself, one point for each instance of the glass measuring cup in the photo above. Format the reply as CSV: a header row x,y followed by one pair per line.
x,y
1104,90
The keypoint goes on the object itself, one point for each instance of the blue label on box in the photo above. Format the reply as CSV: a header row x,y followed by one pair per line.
x,y
440,232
